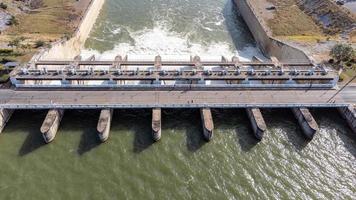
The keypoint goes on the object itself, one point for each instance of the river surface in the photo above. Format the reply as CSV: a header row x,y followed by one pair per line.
x,y
181,166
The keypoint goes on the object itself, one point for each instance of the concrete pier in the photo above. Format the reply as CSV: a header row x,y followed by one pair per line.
x,y
51,123
207,122
258,123
156,124
306,121
349,114
104,124
5,115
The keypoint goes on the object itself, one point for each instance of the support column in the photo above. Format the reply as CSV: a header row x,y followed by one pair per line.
x,y
306,122
207,122
158,62
258,123
156,124
104,124
349,114
5,115
50,124
158,67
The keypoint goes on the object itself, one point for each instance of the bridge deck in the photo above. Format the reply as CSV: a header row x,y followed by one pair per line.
x,y
174,99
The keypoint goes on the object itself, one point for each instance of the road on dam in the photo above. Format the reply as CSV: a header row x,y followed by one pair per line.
x,y
29,99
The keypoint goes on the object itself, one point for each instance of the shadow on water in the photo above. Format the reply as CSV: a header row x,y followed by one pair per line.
x,y
284,119
236,26
32,121
87,121
331,118
139,121
237,120
194,131
33,141
89,139
187,120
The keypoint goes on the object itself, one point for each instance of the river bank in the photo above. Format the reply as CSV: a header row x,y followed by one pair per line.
x,y
37,24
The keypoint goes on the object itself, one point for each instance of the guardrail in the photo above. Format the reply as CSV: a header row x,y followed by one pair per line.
x,y
130,106
182,86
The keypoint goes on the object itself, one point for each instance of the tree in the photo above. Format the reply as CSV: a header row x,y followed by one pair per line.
x,y
3,6
12,21
342,52
14,43
39,43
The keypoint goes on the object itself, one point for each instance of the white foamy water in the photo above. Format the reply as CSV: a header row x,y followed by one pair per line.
x,y
171,46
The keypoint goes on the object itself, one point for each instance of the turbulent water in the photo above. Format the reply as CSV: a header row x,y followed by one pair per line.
x,y
171,28
181,166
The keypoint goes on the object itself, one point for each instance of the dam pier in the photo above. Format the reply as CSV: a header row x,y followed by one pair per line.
x,y
59,79
160,84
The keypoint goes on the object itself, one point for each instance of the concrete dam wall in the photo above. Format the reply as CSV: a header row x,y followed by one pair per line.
x,y
270,46
68,49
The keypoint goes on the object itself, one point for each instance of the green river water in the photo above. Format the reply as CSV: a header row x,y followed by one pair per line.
x,y
181,166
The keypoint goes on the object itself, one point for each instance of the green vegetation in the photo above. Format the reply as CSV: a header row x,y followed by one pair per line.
x,y
344,56
4,78
3,5
12,21
40,43
342,53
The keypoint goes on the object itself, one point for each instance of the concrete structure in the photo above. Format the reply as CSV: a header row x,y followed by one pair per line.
x,y
349,114
67,49
104,124
258,123
207,123
109,74
50,124
172,98
156,124
306,122
5,115
263,36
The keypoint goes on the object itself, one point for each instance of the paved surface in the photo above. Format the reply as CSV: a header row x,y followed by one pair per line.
x,y
175,99
349,93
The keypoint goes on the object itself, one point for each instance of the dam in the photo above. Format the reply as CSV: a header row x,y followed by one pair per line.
x,y
218,124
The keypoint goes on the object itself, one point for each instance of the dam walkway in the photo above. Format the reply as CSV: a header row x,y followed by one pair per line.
x,y
92,99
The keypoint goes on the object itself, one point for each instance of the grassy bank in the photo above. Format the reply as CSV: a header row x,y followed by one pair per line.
x,y
306,21
46,22
36,24
290,21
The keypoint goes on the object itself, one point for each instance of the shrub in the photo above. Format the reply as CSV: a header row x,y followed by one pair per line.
x,y
14,43
342,52
40,43
12,21
6,51
4,78
3,6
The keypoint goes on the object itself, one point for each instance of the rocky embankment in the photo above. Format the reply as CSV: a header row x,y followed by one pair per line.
x,y
332,17
314,26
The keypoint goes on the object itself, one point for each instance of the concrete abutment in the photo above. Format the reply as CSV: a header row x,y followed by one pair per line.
x,y
306,122
207,123
5,115
349,114
51,124
104,124
258,124
156,124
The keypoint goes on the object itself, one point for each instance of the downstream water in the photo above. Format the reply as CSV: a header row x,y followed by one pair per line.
x,y
181,166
